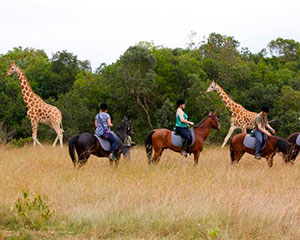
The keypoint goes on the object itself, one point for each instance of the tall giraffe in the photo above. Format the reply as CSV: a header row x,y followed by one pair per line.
x,y
38,111
240,117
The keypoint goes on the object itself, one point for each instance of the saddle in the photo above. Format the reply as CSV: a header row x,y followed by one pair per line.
x,y
105,144
177,140
249,141
298,140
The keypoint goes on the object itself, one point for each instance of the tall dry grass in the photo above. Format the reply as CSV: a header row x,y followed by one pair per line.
x,y
173,200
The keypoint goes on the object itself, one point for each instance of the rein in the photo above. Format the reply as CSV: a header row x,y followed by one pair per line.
x,y
201,123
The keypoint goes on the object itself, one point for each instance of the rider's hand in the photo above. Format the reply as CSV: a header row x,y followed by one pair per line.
x,y
191,123
268,134
273,131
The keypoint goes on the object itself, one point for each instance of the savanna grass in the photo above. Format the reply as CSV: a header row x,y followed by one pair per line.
x,y
172,200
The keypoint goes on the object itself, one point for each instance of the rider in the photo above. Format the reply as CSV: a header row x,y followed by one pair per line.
x,y
260,123
182,126
103,124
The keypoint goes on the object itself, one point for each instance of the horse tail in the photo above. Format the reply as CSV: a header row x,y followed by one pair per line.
x,y
72,143
148,144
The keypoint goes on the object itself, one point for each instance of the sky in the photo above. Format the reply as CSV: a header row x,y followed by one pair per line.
x,y
101,31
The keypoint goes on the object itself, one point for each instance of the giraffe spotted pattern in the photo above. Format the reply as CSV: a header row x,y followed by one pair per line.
x,y
38,111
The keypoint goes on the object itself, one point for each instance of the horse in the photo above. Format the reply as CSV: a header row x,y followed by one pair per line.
x,y
292,139
274,144
87,144
160,139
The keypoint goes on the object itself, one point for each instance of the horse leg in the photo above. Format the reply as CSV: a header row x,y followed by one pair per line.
x,y
196,158
231,130
157,155
270,160
117,161
83,158
235,155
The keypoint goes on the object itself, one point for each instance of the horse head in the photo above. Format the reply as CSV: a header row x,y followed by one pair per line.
x,y
215,120
127,125
292,154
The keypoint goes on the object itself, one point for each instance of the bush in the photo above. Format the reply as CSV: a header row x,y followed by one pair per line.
x,y
32,214
21,142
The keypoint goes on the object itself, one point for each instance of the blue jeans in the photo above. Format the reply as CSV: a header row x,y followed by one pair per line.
x,y
184,133
111,138
258,140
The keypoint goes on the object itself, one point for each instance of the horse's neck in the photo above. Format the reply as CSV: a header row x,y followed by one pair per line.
x,y
121,132
203,130
281,144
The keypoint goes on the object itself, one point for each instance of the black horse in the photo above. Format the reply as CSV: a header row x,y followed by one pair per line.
x,y
87,144
292,139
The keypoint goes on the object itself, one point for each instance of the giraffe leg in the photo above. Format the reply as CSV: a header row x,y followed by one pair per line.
x,y
231,130
55,141
59,136
34,127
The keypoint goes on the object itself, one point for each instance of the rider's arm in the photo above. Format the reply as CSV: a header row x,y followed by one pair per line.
x,y
272,129
109,122
95,123
262,130
180,114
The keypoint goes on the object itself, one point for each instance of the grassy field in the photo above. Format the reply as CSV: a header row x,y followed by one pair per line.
x,y
173,200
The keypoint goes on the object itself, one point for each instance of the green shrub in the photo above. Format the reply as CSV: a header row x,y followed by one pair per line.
x,y
21,142
32,214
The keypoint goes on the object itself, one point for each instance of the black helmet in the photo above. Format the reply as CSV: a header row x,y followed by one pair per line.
x,y
103,106
265,109
180,101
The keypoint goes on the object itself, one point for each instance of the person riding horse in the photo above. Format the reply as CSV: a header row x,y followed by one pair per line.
x,y
260,123
182,125
103,124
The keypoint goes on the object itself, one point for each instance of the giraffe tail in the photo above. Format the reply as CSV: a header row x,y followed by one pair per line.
x,y
61,127
72,143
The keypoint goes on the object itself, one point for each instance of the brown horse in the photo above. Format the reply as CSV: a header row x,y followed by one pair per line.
x,y
274,144
292,139
160,139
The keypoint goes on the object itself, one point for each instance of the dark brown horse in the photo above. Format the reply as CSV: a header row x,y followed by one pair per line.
x,y
160,139
292,139
274,144
86,144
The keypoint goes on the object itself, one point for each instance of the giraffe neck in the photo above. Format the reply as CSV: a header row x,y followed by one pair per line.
x,y
229,103
27,91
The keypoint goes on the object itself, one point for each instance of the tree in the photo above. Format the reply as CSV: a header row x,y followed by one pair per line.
x,y
136,72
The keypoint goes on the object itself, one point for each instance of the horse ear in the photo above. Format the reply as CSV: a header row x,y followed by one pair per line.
x,y
215,113
209,114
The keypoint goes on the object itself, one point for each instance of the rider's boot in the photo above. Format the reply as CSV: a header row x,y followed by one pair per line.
x,y
112,156
184,150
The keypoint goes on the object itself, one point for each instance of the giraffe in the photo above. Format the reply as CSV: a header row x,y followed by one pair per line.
x,y
38,111
240,117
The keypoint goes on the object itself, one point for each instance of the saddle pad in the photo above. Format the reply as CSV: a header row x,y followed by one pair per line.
x,y
177,140
105,144
298,140
249,142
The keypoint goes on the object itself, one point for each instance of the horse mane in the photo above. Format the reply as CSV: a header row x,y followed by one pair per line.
x,y
282,145
200,123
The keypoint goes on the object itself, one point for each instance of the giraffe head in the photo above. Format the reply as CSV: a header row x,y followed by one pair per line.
x,y
212,87
11,69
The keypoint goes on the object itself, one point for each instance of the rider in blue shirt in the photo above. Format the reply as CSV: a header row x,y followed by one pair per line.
x,y
103,124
